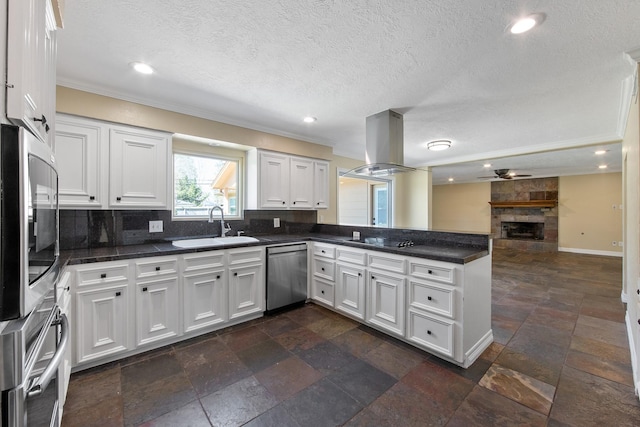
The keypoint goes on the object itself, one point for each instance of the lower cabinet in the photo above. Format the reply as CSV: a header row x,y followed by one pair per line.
x,y
157,310
350,290
246,290
101,322
385,305
205,297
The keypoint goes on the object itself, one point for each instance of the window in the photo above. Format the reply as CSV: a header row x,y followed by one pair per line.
x,y
364,200
201,181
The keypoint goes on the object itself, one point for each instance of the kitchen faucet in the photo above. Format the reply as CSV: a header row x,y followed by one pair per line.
x,y
223,229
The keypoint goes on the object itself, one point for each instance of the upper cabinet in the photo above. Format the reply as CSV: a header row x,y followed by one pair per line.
x,y
31,66
280,181
106,166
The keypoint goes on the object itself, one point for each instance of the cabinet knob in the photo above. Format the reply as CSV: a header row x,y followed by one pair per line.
x,y
144,289
322,251
43,119
67,288
322,292
158,268
428,332
430,271
92,198
373,277
118,199
118,294
638,291
283,203
235,274
322,269
218,276
294,203
360,274
429,298
318,203
103,275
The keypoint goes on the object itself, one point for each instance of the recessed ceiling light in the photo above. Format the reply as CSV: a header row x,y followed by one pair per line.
x,y
309,119
439,145
600,152
512,174
602,167
525,24
450,179
142,68
486,165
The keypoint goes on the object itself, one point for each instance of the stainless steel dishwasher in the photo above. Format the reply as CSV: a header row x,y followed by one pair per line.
x,y
286,276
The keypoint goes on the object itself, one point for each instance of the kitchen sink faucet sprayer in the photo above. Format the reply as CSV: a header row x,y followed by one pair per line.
x,y
223,229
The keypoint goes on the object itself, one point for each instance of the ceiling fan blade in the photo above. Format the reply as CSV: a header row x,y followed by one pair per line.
x,y
486,177
519,176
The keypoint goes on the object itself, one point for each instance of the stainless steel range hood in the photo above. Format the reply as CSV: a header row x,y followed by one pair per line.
x,y
385,146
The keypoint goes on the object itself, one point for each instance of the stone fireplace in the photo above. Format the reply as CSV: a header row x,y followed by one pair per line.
x,y
524,214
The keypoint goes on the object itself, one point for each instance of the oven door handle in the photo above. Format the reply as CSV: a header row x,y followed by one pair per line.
x,y
43,381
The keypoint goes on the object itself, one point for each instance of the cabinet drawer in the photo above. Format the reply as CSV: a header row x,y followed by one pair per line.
x,y
431,332
102,273
325,251
155,267
244,256
352,256
432,272
438,299
385,262
203,261
324,268
323,291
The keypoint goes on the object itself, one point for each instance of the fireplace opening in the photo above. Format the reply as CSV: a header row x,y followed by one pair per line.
x,y
523,230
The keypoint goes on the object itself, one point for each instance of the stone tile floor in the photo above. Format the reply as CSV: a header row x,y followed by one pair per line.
x,y
560,358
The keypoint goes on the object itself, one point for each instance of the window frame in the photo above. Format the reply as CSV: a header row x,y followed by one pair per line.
x,y
240,190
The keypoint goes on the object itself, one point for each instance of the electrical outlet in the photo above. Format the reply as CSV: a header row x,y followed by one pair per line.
x,y
614,243
155,226
620,243
276,222
356,235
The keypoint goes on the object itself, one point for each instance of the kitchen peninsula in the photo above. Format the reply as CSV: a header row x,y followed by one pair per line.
x,y
430,289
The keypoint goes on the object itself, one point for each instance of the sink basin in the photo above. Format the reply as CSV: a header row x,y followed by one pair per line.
x,y
212,241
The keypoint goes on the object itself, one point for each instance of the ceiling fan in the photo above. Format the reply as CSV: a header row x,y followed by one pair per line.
x,y
503,174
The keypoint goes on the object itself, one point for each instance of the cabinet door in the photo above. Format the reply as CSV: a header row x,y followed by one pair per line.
x,y
157,310
350,290
246,291
274,180
385,306
138,169
78,145
30,22
205,300
101,322
301,183
321,185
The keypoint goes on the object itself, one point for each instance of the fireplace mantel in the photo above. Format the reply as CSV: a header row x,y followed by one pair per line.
x,y
525,204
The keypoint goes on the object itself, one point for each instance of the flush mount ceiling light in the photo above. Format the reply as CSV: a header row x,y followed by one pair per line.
x,y
142,68
602,167
486,165
450,179
309,119
600,152
439,145
522,25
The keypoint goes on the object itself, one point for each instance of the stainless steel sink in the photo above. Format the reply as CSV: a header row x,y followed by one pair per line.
x,y
212,241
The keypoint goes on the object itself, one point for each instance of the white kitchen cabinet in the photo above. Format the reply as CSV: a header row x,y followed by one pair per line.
x,y
102,321
31,72
138,168
82,164
350,290
320,185
158,310
246,290
106,166
205,299
280,181
274,180
386,304
323,270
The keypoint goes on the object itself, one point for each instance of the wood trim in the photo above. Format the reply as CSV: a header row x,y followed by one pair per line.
x,y
525,204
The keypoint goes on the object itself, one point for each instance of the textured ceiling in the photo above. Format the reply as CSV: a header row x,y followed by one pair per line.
x,y
449,67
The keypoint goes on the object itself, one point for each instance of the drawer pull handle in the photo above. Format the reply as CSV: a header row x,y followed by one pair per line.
x,y
118,199
157,268
92,198
118,294
429,298
144,289
428,332
103,275
323,251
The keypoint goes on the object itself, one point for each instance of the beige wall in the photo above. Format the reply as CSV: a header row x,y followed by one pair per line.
x,y
411,200
586,217
462,207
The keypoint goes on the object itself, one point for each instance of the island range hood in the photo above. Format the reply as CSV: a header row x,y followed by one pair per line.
x,y
384,146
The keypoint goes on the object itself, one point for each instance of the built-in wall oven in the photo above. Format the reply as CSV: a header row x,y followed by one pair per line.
x,y
28,222
33,331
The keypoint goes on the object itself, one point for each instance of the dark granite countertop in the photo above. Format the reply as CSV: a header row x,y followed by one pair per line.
x,y
458,254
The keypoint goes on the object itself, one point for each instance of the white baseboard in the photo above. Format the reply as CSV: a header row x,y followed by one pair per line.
x,y
634,356
477,349
590,252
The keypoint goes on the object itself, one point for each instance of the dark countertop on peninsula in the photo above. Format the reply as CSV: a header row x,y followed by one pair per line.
x,y
458,254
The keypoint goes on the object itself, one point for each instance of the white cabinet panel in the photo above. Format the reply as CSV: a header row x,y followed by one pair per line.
x,y
386,305
439,299
301,183
157,310
350,289
431,332
321,185
323,291
205,299
138,166
246,291
274,180
101,322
